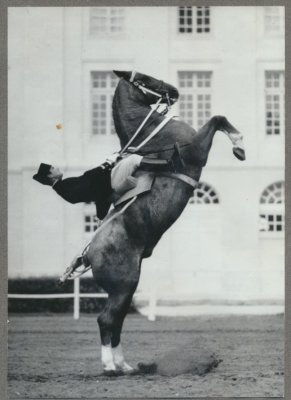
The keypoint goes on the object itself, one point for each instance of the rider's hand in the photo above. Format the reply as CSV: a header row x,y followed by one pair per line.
x,y
112,158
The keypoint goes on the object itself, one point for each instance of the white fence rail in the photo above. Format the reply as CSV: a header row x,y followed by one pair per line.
x,y
76,295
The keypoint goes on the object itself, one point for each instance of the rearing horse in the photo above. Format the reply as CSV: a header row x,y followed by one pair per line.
x,y
117,250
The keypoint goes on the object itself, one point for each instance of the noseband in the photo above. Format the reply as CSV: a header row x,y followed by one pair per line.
x,y
146,90
160,97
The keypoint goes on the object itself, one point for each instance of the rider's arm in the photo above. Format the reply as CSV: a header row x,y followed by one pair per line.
x,y
86,187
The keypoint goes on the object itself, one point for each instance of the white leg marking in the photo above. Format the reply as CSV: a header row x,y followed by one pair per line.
x,y
119,359
107,358
236,139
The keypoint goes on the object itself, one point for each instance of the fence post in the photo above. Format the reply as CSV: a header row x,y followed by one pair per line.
x,y
153,296
152,306
77,298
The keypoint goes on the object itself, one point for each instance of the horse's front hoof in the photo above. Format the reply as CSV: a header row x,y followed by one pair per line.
x,y
112,372
125,368
239,153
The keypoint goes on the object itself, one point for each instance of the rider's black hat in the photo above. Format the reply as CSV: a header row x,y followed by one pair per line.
x,y
42,174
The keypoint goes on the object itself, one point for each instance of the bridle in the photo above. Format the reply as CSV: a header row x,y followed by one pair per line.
x,y
146,90
185,178
160,97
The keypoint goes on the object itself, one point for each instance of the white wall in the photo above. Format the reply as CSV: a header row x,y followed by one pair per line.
x,y
50,58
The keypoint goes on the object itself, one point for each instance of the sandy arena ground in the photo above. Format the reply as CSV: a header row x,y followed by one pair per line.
x,y
54,356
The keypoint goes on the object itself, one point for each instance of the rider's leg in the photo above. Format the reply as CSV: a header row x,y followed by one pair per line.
x,y
160,165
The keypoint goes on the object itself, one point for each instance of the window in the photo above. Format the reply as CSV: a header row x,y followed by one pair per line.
x,y
185,19
274,100
272,208
202,19
106,20
91,222
194,19
103,84
274,20
195,97
204,194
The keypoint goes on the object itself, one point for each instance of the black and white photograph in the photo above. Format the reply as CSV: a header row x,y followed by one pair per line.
x,y
146,201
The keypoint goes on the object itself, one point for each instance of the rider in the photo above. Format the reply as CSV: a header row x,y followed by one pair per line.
x,y
93,185
96,184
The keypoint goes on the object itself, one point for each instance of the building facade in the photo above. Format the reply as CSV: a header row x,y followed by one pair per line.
x,y
229,242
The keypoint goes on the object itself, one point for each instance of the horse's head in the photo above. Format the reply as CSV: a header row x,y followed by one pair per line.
x,y
152,88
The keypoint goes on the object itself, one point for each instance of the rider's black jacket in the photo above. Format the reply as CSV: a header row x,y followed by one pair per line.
x,y
93,185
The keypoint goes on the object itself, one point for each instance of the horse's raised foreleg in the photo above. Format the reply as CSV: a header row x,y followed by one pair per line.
x,y
204,138
233,134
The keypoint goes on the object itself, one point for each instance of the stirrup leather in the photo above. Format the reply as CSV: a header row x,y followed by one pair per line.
x,y
77,267
73,273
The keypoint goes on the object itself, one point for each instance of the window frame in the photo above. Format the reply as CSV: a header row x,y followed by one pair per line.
x,y
274,210
89,213
108,32
267,144
280,92
194,25
281,15
210,188
104,142
107,91
195,91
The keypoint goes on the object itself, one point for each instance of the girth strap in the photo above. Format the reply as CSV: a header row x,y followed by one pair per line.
x,y
181,177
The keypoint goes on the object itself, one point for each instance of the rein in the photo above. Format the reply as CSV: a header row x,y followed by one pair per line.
x,y
182,177
154,132
141,126
155,108
168,148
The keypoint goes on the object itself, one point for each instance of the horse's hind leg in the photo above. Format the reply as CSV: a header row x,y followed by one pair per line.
x,y
117,351
110,324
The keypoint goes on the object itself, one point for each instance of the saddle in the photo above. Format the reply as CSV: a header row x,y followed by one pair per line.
x,y
143,183
142,180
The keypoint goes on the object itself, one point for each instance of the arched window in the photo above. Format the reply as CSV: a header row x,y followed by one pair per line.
x,y
204,194
272,208
91,222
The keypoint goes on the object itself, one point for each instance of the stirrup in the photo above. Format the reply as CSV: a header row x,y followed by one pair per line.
x,y
77,272
74,271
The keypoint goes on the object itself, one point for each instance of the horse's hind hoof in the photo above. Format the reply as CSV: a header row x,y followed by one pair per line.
x,y
147,368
